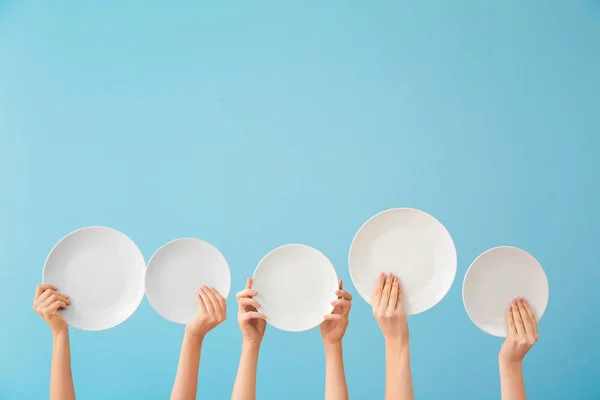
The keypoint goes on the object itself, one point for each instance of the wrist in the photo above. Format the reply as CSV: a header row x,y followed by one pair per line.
x,y
332,343
397,343
60,333
194,335
250,345
510,366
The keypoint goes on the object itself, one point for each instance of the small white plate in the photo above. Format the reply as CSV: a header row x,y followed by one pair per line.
x,y
102,272
296,285
495,278
410,244
176,272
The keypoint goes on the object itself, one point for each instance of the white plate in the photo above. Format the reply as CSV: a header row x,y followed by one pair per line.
x,y
102,272
410,244
495,278
176,272
296,285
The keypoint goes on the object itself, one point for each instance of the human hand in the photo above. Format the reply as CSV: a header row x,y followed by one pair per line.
x,y
335,324
46,303
522,332
212,310
252,323
388,311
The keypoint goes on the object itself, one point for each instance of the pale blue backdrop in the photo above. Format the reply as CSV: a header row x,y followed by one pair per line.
x,y
253,124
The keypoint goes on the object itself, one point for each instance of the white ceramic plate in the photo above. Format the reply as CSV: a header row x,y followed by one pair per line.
x,y
410,244
176,272
296,285
495,278
102,272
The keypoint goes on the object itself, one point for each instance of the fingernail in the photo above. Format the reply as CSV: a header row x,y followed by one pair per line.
x,y
514,302
509,308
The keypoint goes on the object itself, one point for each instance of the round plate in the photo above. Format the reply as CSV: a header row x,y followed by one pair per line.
x,y
296,285
102,272
495,278
176,272
410,244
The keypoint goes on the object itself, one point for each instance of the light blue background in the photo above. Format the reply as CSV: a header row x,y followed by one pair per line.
x,y
253,124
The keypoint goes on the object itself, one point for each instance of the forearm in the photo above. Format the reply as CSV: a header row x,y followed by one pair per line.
x,y
186,381
245,381
61,379
335,377
512,384
398,377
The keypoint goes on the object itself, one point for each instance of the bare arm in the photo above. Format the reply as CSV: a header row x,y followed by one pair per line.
x,y
335,377
61,379
245,381
389,313
512,385
522,334
253,325
186,381
398,378
211,312
332,331
46,303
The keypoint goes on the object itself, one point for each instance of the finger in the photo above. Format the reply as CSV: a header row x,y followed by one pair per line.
x,y
342,303
247,302
254,315
342,294
531,315
400,304
249,283
221,299
44,296
42,288
246,293
393,304
510,322
208,306
214,301
517,318
378,290
387,288
346,305
52,298
54,307
525,317
332,317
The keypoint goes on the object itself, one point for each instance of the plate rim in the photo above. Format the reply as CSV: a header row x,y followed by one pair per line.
x,y
393,209
102,227
165,245
481,255
278,248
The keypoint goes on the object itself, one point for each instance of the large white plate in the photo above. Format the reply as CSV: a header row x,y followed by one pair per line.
x,y
102,272
176,272
296,285
495,278
410,244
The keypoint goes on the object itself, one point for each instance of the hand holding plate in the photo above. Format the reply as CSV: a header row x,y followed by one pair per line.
x,y
46,303
212,310
388,311
522,332
252,323
335,324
